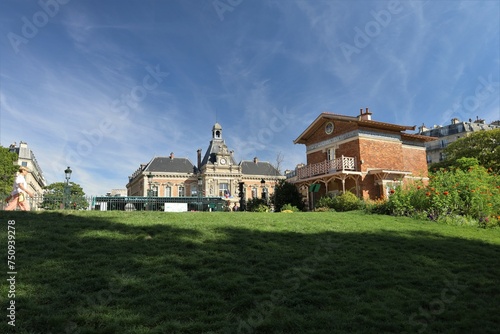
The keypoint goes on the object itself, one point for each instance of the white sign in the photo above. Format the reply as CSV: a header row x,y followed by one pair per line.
x,y
176,207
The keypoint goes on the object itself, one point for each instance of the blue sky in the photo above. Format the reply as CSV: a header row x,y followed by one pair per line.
x,y
105,85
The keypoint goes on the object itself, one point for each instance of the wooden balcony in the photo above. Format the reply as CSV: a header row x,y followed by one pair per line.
x,y
327,167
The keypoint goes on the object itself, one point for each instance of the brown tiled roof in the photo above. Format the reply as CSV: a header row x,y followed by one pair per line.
x,y
314,126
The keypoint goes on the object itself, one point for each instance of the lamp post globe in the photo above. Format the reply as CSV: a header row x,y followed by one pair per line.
x,y
67,173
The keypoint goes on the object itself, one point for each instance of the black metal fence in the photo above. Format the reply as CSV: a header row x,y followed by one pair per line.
x,y
124,203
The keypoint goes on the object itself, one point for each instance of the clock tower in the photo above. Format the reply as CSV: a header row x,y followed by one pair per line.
x,y
219,170
218,155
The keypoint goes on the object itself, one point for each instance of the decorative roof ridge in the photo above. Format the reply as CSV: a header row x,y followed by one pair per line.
x,y
417,136
405,127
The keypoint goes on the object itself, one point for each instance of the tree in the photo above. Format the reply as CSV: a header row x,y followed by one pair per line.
x,y
286,193
482,145
8,169
279,161
54,196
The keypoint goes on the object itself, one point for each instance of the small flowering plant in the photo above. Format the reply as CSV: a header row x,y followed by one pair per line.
x,y
466,190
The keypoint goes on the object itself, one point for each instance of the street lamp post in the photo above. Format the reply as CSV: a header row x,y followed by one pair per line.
x,y
241,189
150,190
263,184
67,173
200,193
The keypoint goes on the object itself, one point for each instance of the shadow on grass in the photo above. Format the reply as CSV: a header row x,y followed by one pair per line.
x,y
80,274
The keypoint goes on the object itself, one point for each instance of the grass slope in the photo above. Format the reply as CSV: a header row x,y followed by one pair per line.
x,y
145,272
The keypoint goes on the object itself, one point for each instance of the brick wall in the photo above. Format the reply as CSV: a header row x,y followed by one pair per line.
x,y
415,160
381,154
349,149
370,189
315,157
339,128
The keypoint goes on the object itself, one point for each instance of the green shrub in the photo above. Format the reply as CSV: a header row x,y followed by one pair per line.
x,y
324,209
379,206
290,207
261,208
346,202
257,205
325,202
468,190
458,220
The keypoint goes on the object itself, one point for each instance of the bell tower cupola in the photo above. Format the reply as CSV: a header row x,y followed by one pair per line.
x,y
217,131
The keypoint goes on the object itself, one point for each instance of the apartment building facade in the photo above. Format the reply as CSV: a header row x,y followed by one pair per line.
x,y
447,134
35,179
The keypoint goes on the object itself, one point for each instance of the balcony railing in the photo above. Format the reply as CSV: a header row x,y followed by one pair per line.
x,y
327,167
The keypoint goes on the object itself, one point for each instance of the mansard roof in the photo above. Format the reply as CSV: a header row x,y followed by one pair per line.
x,y
324,116
258,168
170,165
216,146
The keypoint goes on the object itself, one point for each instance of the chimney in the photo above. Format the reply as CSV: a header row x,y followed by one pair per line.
x,y
367,116
199,158
171,155
455,121
422,128
479,121
255,160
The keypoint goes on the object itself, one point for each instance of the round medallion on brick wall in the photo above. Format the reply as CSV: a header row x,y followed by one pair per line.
x,y
329,128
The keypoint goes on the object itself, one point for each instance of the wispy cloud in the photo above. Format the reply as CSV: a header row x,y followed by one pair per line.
x,y
264,72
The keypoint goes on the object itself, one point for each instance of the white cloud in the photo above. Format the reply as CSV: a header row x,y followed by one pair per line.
x,y
263,59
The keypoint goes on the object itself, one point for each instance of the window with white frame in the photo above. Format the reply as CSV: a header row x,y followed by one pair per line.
x,y
194,189
224,189
168,191
330,154
182,191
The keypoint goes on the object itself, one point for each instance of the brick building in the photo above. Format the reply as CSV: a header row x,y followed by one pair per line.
x,y
357,154
217,174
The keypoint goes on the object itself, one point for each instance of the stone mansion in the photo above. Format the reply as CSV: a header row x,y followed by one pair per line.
x,y
217,174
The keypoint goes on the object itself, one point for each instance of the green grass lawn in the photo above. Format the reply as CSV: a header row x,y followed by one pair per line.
x,y
155,272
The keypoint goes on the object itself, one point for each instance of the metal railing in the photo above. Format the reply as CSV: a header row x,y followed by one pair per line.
x,y
123,203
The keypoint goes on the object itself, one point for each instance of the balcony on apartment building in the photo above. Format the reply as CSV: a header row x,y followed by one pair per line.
x,y
327,167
